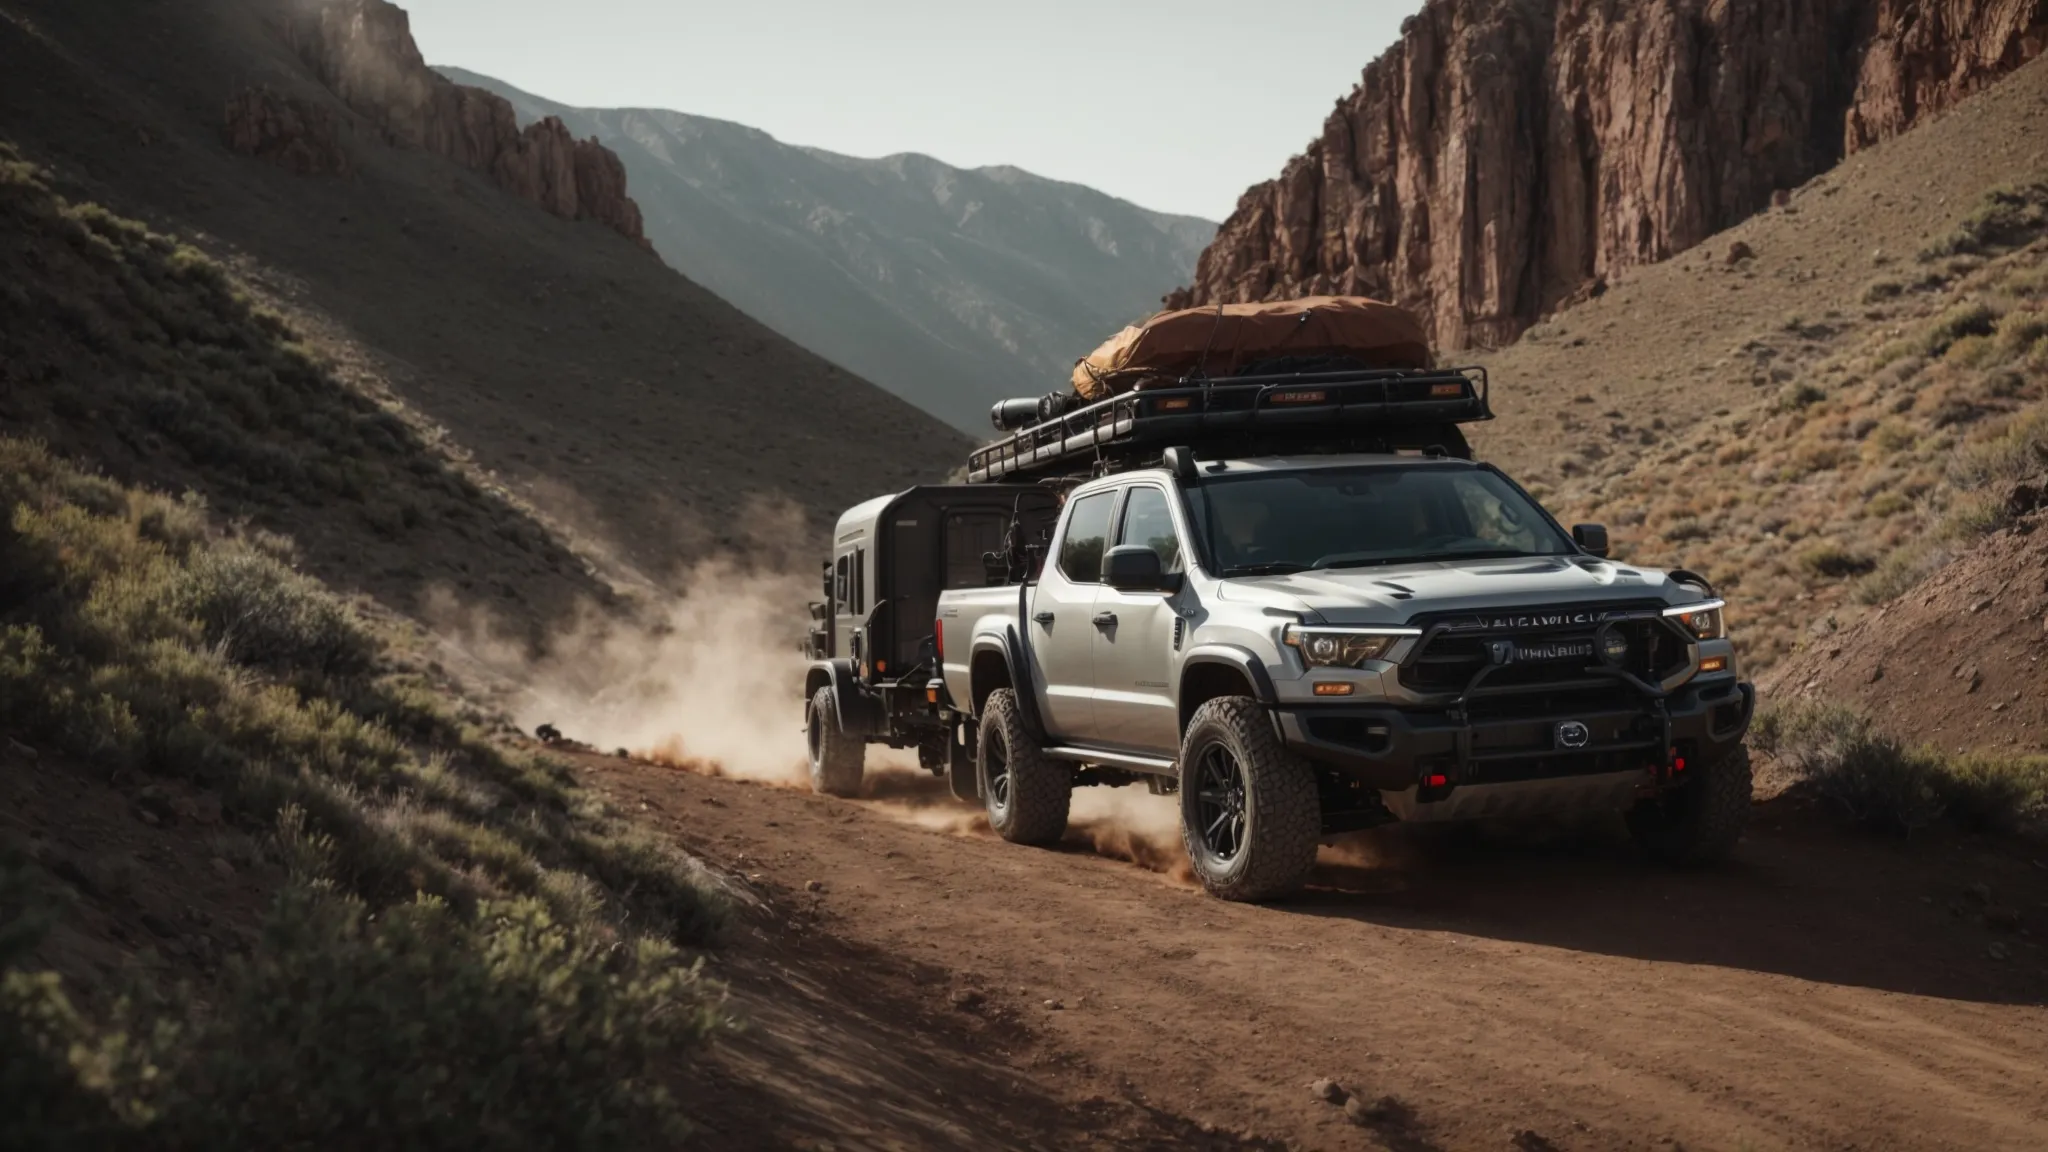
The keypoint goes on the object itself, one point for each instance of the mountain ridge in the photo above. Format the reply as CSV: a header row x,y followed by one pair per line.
x,y
951,287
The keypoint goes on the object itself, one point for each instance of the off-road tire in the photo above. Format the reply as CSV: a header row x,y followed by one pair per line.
x,y
837,757
1282,817
1700,821
1032,808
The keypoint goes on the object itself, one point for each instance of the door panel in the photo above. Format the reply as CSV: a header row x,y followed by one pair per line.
x,y
1135,707
1062,638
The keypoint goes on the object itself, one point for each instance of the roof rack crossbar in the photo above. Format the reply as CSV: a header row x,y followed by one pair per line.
x,y
1305,409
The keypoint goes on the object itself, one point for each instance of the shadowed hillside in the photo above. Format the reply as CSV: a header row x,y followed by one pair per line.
x,y
555,357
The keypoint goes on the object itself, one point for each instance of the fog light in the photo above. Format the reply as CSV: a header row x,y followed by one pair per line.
x,y
1613,646
1332,688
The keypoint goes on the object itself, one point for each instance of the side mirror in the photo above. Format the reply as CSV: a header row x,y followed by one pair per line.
x,y
1591,538
1136,568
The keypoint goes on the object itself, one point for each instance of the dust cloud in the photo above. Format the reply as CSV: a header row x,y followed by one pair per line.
x,y
710,680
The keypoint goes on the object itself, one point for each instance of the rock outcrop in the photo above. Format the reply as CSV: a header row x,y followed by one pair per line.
x,y
363,51
298,136
1506,155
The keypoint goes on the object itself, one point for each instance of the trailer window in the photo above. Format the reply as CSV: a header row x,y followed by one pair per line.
x,y
969,537
1086,539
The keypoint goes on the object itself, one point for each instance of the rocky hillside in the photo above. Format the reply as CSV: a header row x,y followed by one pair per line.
x,y
363,51
1507,156
397,222
951,287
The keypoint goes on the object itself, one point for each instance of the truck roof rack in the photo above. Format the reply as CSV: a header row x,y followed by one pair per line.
x,y
1347,411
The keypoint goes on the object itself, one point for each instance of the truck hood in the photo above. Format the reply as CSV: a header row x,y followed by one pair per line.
x,y
1395,593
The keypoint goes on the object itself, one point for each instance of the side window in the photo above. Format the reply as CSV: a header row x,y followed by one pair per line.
x,y
1147,522
1087,538
842,586
860,581
969,537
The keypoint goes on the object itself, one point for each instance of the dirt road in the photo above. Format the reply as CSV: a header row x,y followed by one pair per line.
x,y
1828,991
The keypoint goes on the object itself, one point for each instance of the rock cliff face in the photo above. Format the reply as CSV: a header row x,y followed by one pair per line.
x,y
299,137
364,52
1508,154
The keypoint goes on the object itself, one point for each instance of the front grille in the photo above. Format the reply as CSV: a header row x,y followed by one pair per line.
x,y
1446,661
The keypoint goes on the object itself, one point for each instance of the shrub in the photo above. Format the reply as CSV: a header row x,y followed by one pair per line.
x,y
1876,780
1835,562
1870,776
1964,320
266,615
433,1030
2008,217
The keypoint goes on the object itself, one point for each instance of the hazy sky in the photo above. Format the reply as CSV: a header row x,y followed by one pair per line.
x,y
1178,105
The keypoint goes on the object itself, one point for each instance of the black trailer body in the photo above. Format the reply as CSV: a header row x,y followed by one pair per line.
x,y
871,639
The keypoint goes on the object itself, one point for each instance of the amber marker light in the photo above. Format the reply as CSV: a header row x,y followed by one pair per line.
x,y
1299,397
1332,688
1446,389
1714,664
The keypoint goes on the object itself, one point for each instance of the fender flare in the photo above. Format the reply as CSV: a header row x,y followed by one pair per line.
x,y
857,712
1012,652
1232,656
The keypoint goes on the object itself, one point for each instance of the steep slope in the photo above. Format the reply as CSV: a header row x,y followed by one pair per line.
x,y
950,287
556,359
1506,155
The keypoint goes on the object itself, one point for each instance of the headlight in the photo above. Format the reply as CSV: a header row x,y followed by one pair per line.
x,y
1342,647
1702,620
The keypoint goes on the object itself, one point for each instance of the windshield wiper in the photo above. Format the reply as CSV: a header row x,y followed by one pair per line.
x,y
1274,568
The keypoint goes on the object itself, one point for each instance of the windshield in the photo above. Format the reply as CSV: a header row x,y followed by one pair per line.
x,y
1275,522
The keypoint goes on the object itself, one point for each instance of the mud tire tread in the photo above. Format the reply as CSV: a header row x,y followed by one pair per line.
x,y
1705,827
840,759
1041,788
1286,822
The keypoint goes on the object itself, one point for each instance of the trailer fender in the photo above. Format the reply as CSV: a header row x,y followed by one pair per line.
x,y
858,712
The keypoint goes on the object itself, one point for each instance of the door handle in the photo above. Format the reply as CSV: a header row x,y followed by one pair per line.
x,y
1105,619
1044,618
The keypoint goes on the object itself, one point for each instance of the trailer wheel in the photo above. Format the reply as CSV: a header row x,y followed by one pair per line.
x,y
1701,820
1025,792
1249,813
837,757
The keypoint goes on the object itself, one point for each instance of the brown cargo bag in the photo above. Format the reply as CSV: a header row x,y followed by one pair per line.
x,y
1223,340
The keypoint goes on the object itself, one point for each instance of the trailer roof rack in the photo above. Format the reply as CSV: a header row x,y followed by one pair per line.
x,y
1349,411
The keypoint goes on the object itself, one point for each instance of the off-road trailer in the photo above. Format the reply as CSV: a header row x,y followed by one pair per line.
x,y
874,671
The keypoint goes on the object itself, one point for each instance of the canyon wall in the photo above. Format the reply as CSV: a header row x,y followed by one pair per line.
x,y
363,51
1505,155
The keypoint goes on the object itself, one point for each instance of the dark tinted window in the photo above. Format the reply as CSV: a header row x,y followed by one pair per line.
x,y
842,586
1147,522
1359,517
969,537
1086,539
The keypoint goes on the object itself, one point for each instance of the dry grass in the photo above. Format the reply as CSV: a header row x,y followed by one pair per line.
x,y
1884,452
472,949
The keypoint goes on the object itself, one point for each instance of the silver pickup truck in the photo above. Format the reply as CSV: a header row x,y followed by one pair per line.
x,y
1301,645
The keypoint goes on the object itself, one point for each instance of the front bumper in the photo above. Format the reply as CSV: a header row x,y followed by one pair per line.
x,y
1572,732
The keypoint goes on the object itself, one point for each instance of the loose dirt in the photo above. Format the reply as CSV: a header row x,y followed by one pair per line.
x,y
1825,991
